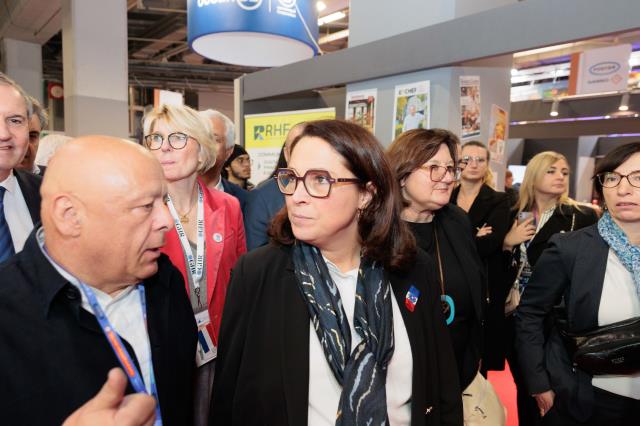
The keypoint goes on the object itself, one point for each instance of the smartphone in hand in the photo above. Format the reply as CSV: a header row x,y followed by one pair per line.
x,y
523,216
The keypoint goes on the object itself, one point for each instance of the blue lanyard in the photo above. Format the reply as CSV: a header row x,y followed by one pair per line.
x,y
120,350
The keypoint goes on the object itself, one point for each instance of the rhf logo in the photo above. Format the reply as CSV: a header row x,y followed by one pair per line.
x,y
258,133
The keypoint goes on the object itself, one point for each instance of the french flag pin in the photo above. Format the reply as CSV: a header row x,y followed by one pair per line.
x,y
411,298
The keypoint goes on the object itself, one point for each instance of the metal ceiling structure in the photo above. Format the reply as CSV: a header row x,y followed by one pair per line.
x,y
159,55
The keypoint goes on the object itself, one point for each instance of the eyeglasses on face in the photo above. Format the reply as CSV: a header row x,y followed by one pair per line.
x,y
437,173
177,140
478,160
317,182
613,179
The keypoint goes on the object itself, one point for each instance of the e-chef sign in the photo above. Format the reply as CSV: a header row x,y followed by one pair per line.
x,y
600,70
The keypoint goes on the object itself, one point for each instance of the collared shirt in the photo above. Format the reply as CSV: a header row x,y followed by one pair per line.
x,y
124,312
219,185
16,212
324,389
619,302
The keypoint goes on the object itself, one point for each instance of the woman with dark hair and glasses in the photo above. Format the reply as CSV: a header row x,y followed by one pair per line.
x,y
488,212
208,236
595,273
425,163
337,321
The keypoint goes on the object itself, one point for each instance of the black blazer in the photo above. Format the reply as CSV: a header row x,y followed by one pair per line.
x,y
565,218
456,227
492,208
454,223
30,187
54,354
262,371
571,269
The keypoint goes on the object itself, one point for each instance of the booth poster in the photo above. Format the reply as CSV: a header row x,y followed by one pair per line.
x,y
470,105
361,108
264,136
498,133
411,107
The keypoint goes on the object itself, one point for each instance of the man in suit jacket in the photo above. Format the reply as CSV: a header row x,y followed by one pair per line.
x,y
99,246
224,133
39,120
20,194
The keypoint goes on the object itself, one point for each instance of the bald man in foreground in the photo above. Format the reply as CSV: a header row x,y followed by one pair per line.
x,y
103,223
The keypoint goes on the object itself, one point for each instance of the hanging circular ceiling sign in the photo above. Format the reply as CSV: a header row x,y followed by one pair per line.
x,y
262,33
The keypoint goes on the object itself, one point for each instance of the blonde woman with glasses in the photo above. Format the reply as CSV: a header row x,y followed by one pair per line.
x,y
208,234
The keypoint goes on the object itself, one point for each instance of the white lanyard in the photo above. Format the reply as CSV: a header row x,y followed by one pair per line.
x,y
196,266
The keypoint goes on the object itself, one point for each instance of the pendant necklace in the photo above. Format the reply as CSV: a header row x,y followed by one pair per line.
x,y
184,217
448,306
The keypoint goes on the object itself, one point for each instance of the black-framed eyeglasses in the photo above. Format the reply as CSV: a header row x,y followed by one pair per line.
x,y
177,140
437,173
478,160
317,182
613,179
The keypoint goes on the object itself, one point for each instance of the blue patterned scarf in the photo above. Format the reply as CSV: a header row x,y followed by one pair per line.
x,y
363,372
628,254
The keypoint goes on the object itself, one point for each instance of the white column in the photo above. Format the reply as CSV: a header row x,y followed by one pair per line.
x,y
23,63
95,67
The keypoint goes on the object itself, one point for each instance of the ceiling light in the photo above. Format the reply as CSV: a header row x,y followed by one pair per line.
x,y
514,72
554,108
335,16
624,102
320,6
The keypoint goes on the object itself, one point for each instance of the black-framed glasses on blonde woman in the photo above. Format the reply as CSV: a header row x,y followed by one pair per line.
x,y
317,182
437,173
177,140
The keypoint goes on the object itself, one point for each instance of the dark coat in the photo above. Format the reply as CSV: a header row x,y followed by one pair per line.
x,y
262,371
55,356
262,205
455,224
565,218
30,187
492,208
573,269
237,191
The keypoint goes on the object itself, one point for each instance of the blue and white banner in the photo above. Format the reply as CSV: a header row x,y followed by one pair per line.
x,y
253,32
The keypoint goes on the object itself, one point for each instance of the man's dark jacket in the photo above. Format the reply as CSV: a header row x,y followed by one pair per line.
x,y
54,356
30,187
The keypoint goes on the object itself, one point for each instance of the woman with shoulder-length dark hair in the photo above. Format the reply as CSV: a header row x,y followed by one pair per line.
x,y
425,163
595,272
337,321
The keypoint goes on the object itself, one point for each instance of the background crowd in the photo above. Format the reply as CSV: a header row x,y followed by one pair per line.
x,y
379,287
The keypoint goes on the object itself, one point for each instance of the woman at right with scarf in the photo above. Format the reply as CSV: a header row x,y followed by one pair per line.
x,y
594,273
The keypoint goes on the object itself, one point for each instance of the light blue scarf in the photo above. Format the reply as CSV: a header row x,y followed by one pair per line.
x,y
628,254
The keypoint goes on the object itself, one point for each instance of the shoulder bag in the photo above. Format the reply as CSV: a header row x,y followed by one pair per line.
x,y
610,349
